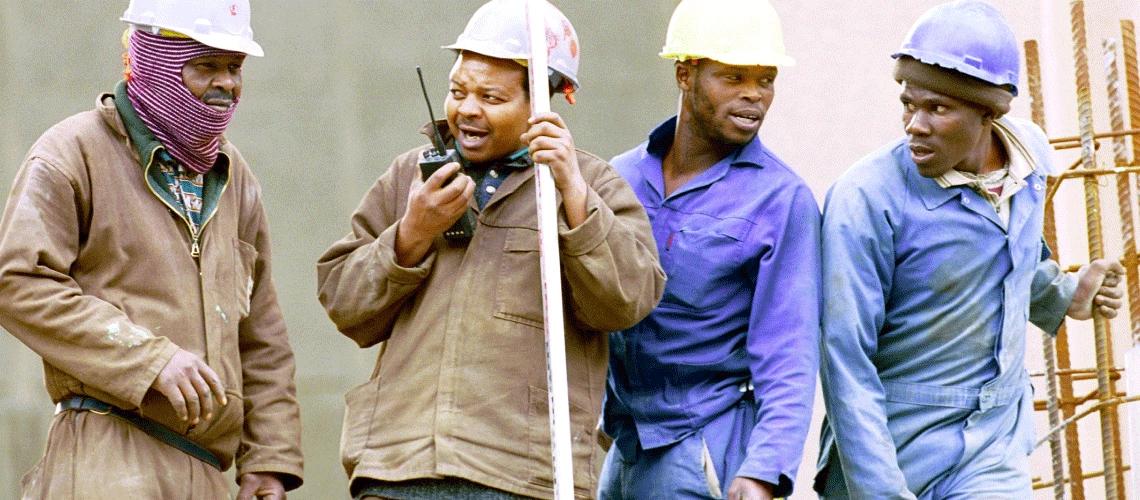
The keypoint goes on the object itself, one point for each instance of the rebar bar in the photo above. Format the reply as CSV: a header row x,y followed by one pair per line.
x,y
1124,200
1065,378
1131,78
1062,142
1033,74
1112,479
1056,452
1100,405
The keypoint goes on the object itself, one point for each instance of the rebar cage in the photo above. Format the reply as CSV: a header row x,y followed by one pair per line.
x,y
1068,397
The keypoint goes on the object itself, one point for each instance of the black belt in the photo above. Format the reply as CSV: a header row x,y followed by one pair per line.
x,y
85,403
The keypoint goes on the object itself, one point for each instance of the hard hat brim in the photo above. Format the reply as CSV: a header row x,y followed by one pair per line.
x,y
231,43
736,60
223,41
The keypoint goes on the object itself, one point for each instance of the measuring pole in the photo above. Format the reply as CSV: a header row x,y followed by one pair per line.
x,y
559,402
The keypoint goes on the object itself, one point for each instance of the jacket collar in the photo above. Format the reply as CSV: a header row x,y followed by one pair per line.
x,y
752,154
519,165
661,139
519,160
934,196
124,120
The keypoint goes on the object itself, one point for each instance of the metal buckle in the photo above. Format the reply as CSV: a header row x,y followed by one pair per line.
x,y
83,406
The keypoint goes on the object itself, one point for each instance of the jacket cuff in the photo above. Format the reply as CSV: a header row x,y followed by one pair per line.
x,y
1049,319
783,483
288,474
592,232
166,351
384,251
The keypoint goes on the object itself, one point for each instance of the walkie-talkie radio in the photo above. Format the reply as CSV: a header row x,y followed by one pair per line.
x,y
437,156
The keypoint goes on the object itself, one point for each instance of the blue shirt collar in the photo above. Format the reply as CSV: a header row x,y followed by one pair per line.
x,y
661,139
752,154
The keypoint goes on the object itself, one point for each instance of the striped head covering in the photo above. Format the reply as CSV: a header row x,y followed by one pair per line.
x,y
188,128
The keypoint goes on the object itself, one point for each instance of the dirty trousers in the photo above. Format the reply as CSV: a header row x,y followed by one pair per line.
x,y
101,457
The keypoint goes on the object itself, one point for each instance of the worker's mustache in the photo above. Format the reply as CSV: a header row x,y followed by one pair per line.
x,y
215,95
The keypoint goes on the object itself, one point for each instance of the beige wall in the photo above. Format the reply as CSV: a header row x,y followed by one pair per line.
x,y
336,98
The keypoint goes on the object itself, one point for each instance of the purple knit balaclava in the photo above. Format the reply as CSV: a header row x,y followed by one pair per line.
x,y
190,130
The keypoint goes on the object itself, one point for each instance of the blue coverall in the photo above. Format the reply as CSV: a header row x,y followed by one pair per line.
x,y
728,360
926,301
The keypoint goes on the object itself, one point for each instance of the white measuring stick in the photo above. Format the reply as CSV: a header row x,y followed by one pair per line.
x,y
559,403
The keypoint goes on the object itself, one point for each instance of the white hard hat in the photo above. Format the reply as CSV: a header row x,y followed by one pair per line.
x,y
222,24
499,29
735,32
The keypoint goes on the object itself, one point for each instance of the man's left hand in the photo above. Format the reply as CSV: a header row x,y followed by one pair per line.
x,y
262,486
746,488
551,144
1101,285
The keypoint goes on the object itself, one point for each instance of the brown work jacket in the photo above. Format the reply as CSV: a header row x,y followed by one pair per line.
x,y
97,277
460,387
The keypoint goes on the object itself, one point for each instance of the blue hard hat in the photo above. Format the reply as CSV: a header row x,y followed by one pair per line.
x,y
968,36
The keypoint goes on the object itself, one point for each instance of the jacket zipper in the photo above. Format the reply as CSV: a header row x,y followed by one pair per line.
x,y
195,236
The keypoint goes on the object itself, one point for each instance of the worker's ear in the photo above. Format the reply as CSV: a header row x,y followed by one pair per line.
x,y
686,74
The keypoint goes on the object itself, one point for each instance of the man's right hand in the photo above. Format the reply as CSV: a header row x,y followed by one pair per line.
x,y
432,208
191,386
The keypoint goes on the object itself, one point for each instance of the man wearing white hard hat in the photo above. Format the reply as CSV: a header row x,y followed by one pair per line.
x,y
711,395
456,407
135,259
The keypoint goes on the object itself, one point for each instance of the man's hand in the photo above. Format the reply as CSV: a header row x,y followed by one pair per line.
x,y
261,485
746,488
432,208
191,386
1100,284
551,144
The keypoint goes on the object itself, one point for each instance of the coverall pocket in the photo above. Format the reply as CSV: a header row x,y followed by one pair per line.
x,y
582,425
227,420
699,260
518,295
359,412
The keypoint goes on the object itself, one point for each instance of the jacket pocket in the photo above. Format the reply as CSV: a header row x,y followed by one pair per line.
x,y
245,257
226,423
518,295
700,260
582,428
359,412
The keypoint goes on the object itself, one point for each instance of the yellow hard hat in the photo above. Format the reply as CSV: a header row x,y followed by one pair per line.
x,y
736,32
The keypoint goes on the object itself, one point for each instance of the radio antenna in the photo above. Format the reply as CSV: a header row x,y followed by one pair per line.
x,y
436,138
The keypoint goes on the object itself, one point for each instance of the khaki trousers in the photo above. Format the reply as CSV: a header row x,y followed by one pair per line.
x,y
101,457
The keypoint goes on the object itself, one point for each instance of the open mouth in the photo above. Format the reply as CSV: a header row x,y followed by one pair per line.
x,y
472,137
220,105
921,154
747,119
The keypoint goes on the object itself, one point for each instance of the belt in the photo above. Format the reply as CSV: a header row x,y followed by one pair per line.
x,y
85,403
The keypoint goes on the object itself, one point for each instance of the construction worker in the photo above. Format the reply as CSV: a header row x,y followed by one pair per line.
x,y
711,395
135,259
456,407
935,264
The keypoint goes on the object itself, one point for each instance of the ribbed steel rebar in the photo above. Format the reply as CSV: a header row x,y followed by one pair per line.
x,y
1065,379
1123,183
1033,74
1112,478
1124,200
1056,452
1132,78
